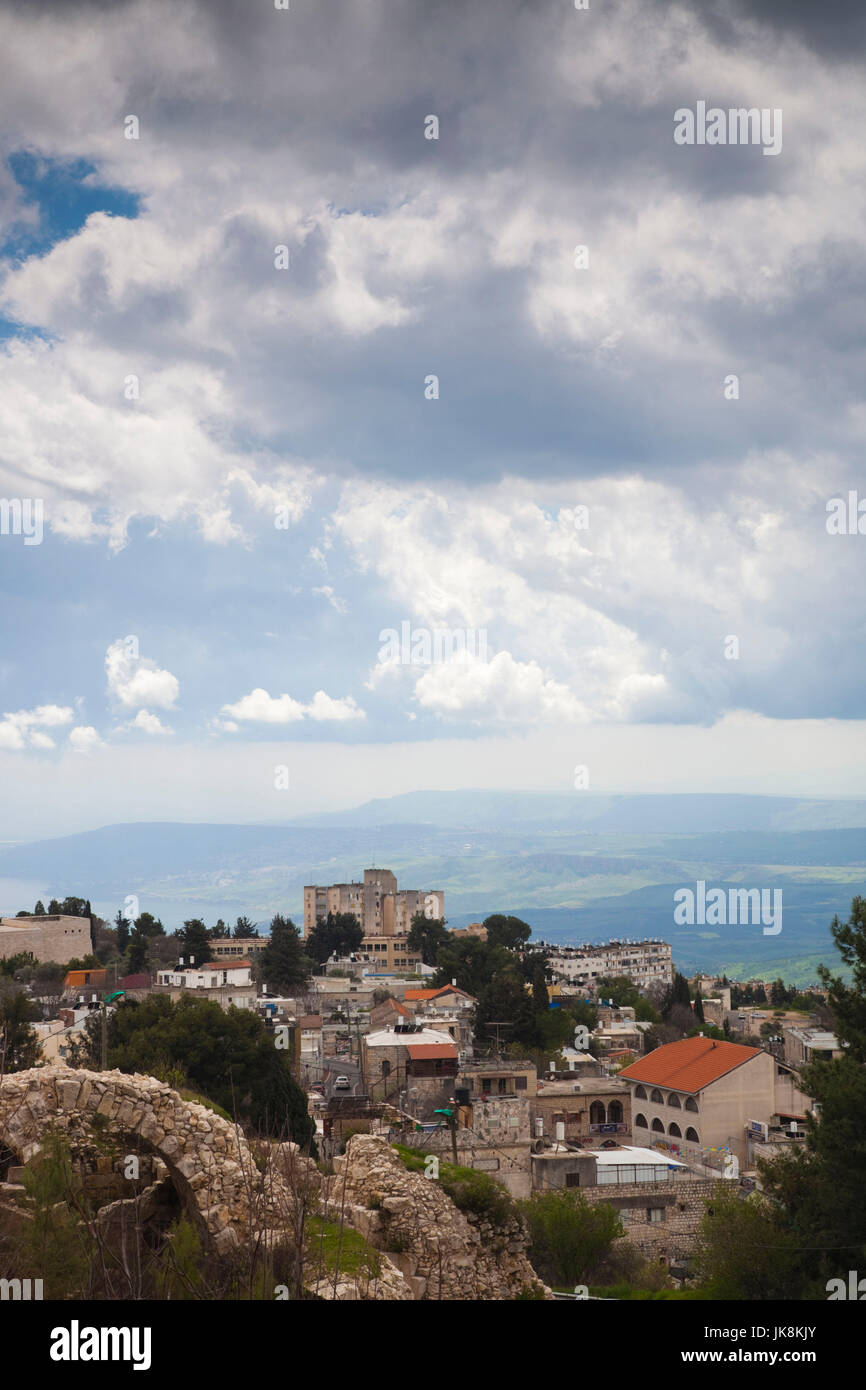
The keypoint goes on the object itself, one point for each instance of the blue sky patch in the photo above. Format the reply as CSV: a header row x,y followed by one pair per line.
x,y
65,192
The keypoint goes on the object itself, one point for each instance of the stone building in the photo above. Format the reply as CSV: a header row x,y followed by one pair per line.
x,y
55,937
659,1201
590,1110
411,1061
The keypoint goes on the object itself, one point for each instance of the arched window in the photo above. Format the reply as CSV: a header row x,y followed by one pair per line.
x,y
614,1112
675,1132
596,1113
657,1098
674,1101
691,1103
639,1093
692,1136
640,1121
658,1127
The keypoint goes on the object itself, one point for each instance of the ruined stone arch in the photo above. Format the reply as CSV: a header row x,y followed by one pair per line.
x,y
208,1158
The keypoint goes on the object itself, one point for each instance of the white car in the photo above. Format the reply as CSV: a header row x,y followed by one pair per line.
x,y
342,1083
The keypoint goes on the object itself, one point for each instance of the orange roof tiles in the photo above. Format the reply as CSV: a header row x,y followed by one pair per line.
x,y
418,994
690,1064
425,1052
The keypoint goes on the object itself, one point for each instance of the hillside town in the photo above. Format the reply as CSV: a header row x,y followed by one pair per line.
x,y
594,1073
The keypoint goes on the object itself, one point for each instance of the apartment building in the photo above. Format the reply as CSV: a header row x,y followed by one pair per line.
x,y
227,982
643,962
803,1045
380,906
238,947
384,911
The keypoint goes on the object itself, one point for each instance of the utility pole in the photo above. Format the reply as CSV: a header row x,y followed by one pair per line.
x,y
106,1000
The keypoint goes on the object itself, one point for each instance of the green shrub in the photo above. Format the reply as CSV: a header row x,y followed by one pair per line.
x,y
469,1189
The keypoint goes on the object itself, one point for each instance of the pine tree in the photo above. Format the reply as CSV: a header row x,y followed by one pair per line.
x,y
699,1008
122,928
848,1002
283,964
195,942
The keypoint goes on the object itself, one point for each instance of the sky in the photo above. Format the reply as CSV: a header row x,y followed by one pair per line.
x,y
326,329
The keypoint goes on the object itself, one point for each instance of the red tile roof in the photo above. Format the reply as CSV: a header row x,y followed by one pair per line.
x,y
228,964
690,1064
417,994
425,1052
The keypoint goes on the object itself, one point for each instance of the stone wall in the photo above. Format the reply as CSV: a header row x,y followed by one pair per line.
x,y
682,1200
442,1252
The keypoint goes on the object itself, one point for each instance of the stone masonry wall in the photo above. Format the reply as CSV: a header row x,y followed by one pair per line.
x,y
683,1202
443,1253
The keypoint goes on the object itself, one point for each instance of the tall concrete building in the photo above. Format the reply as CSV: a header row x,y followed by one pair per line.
x,y
383,910
379,905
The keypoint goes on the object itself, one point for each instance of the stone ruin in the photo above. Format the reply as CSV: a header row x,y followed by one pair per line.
x,y
193,1159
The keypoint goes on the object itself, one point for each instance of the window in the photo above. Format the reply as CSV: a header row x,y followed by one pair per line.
x,y
596,1113
640,1121
674,1101
486,1084
657,1098
691,1103
502,1085
639,1093
614,1112
655,1214
675,1132
692,1136
520,1083
572,1179
658,1127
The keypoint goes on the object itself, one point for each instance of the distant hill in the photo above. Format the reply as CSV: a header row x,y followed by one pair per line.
x,y
662,814
575,867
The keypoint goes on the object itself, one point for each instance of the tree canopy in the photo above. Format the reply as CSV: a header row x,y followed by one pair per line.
x,y
283,964
428,935
339,932
228,1055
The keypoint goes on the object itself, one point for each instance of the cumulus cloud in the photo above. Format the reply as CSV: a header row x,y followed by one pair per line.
x,y
149,723
179,378
500,691
262,708
25,728
137,680
84,739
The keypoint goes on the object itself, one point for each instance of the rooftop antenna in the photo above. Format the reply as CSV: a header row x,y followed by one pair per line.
x,y
497,1026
